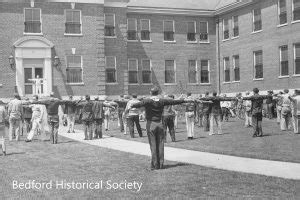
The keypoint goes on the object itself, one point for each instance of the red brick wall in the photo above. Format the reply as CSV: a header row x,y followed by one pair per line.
x,y
268,40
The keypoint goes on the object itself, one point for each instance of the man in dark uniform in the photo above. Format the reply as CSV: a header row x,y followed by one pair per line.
x,y
154,107
168,120
206,108
256,110
270,108
27,118
87,117
121,108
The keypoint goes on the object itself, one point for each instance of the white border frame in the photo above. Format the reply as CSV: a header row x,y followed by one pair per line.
x,y
136,32
224,68
137,70
115,36
208,63
116,74
200,41
280,59
150,40
197,74
150,70
81,66
175,76
41,21
73,34
166,41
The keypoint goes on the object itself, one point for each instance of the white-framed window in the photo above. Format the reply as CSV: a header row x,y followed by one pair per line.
x,y
297,58
73,22
192,71
296,10
170,71
131,29
32,20
257,22
226,64
145,29
205,71
235,26
284,60
109,26
111,69
191,31
169,30
146,71
236,67
132,71
282,12
204,32
258,64
74,69
225,29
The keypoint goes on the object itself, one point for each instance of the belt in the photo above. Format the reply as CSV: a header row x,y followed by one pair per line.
x,y
285,105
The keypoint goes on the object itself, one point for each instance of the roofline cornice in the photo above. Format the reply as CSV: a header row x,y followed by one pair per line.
x,y
232,7
171,11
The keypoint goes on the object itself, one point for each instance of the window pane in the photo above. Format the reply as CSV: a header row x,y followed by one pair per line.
x,y
296,4
169,71
145,35
74,75
297,50
110,62
204,65
131,24
168,26
28,75
226,27
69,16
146,65
132,65
169,36
146,77
28,14
109,19
74,61
192,71
204,71
133,77
191,27
203,27
258,58
76,16
145,24
110,75
36,15
226,63
284,53
169,64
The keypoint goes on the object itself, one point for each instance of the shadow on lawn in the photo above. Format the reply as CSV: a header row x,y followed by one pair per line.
x,y
15,153
175,165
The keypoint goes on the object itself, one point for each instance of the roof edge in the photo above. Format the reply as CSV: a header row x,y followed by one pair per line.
x,y
233,6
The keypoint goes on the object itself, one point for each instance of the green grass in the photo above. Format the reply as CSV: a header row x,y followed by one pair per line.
x,y
236,140
70,160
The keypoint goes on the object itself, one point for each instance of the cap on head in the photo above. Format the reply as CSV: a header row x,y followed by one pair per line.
x,y
189,94
70,97
52,94
122,95
280,92
215,93
247,93
134,95
255,90
96,98
286,91
206,93
171,96
154,91
87,97
297,92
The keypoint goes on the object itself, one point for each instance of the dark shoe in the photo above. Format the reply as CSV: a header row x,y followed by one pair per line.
x,y
73,132
106,129
254,135
4,153
27,140
85,139
69,131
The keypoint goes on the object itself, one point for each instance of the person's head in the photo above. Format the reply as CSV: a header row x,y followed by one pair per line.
x,y
270,92
286,91
255,90
214,93
96,98
154,91
37,76
189,94
126,97
206,94
122,96
247,93
297,92
52,94
87,97
35,97
224,95
280,92
17,96
200,95
134,95
171,96
71,97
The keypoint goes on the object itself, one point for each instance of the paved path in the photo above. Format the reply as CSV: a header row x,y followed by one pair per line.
x,y
232,163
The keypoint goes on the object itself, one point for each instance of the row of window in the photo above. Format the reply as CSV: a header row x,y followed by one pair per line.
x,y
257,19
258,64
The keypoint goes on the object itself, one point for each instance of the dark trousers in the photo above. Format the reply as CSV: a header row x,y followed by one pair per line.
x,y
168,122
98,128
155,132
120,115
54,125
206,121
88,132
256,123
270,111
225,113
131,120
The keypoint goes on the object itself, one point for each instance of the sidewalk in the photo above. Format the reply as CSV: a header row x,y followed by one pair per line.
x,y
279,169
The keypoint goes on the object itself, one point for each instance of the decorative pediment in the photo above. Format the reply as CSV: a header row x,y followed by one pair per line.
x,y
33,42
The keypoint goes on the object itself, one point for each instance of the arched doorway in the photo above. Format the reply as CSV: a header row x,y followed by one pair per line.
x,y
33,58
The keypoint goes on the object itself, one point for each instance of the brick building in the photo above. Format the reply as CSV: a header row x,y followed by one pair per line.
x,y
119,46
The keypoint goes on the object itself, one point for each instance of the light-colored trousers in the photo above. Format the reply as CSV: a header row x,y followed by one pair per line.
x,y
71,122
36,126
217,120
14,127
248,118
278,114
286,122
295,122
189,124
176,119
2,137
106,122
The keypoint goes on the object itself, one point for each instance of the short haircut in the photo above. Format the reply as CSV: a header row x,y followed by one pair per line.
x,y
286,91
206,93
134,95
215,93
171,96
189,94
87,97
122,95
256,90
154,91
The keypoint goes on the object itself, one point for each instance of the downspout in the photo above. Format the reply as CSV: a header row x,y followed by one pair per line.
x,y
218,55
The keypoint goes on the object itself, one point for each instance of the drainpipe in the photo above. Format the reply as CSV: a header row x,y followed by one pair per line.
x,y
218,55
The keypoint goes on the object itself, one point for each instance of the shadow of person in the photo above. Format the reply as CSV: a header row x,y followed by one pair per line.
x,y
175,165
15,153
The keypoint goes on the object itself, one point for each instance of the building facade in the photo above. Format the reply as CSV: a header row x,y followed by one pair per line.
x,y
118,47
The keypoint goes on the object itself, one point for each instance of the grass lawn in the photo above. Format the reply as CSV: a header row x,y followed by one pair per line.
x,y
236,140
74,161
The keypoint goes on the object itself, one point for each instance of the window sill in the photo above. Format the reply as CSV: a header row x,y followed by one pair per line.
x,y
111,83
170,84
193,84
224,40
38,34
258,79
170,41
226,83
296,75
134,84
236,81
281,77
132,41
73,35
294,22
236,37
147,83
78,84
281,25
204,84
191,42
146,41
110,37
204,42
254,32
